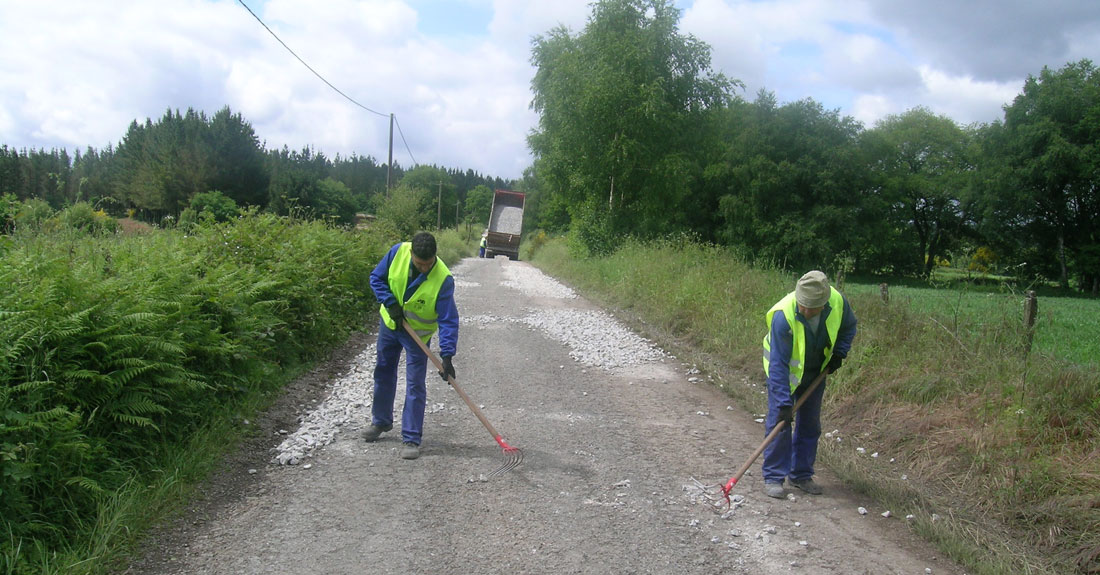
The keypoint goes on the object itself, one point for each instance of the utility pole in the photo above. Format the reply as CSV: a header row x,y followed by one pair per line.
x,y
389,162
439,207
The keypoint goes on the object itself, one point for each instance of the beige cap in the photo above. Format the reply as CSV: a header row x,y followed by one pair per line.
x,y
812,290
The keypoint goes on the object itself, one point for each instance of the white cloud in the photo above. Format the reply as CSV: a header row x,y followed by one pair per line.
x,y
739,46
794,48
870,108
964,99
865,63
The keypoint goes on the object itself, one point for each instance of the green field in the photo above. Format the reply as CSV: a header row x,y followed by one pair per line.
x,y
1066,328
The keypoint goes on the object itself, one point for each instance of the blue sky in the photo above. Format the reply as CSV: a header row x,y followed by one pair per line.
x,y
456,73
443,18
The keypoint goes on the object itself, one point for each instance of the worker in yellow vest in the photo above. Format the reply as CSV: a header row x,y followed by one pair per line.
x,y
413,286
484,242
809,331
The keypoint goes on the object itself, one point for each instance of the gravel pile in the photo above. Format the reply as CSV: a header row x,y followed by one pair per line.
x,y
594,337
532,282
508,220
348,405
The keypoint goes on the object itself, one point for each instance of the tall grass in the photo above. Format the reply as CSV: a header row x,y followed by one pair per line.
x,y
116,351
452,245
999,445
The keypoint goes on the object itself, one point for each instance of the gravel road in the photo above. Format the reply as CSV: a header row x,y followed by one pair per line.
x,y
613,430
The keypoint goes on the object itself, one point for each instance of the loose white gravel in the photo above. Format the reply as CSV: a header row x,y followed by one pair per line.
x,y
595,339
508,220
348,404
531,281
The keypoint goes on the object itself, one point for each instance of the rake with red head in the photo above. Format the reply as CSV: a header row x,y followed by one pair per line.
x,y
513,455
719,495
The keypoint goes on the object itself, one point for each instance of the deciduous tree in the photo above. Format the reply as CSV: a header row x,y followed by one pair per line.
x,y
620,111
1050,150
922,169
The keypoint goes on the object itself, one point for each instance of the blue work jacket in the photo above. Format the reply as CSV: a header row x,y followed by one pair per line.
x,y
444,304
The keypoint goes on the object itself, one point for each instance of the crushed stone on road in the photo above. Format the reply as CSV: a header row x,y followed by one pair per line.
x,y
347,405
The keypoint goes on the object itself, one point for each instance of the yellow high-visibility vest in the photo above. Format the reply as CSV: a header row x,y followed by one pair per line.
x,y
420,308
789,306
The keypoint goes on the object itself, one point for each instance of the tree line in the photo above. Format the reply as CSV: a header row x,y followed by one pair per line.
x,y
159,168
638,135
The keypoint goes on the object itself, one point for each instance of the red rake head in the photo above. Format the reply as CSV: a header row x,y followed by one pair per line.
x,y
513,457
726,495
717,496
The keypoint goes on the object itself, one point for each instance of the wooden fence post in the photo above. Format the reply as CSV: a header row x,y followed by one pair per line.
x,y
1031,310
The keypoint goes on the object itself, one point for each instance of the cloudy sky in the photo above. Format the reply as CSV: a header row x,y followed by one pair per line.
x,y
456,73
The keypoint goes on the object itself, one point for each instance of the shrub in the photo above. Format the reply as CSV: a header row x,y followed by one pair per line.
x,y
591,234
81,216
219,205
9,207
33,214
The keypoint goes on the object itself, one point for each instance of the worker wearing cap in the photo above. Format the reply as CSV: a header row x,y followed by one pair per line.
x,y
809,330
484,242
414,287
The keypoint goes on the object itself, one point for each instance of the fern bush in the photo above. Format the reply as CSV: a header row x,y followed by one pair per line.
x,y
81,216
114,349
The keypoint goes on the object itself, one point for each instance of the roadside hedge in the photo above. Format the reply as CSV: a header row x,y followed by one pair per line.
x,y
116,348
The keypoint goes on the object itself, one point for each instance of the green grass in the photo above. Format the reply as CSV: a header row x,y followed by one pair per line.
x,y
1000,444
453,245
1066,328
125,516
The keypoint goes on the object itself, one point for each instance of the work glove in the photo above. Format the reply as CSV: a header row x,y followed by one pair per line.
x,y
448,369
834,364
786,413
397,315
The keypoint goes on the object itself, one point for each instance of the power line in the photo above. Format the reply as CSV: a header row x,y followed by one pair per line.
x,y
312,70
403,140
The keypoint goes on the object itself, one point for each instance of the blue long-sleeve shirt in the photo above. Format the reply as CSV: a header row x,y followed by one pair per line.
x,y
444,304
782,345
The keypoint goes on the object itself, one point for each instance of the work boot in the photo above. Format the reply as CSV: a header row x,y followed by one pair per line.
x,y
807,485
774,490
410,450
373,432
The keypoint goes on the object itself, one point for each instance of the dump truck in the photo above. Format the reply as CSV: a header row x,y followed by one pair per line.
x,y
505,225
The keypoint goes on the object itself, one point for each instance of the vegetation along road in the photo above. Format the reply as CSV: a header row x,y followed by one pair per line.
x,y
613,429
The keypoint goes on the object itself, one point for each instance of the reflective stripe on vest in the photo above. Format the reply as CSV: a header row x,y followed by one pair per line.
x,y
420,308
789,307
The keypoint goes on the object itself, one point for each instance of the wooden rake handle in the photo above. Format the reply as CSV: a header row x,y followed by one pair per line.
x,y
771,436
469,403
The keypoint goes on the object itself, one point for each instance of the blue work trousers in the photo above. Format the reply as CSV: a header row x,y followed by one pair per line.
x,y
390,344
792,454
